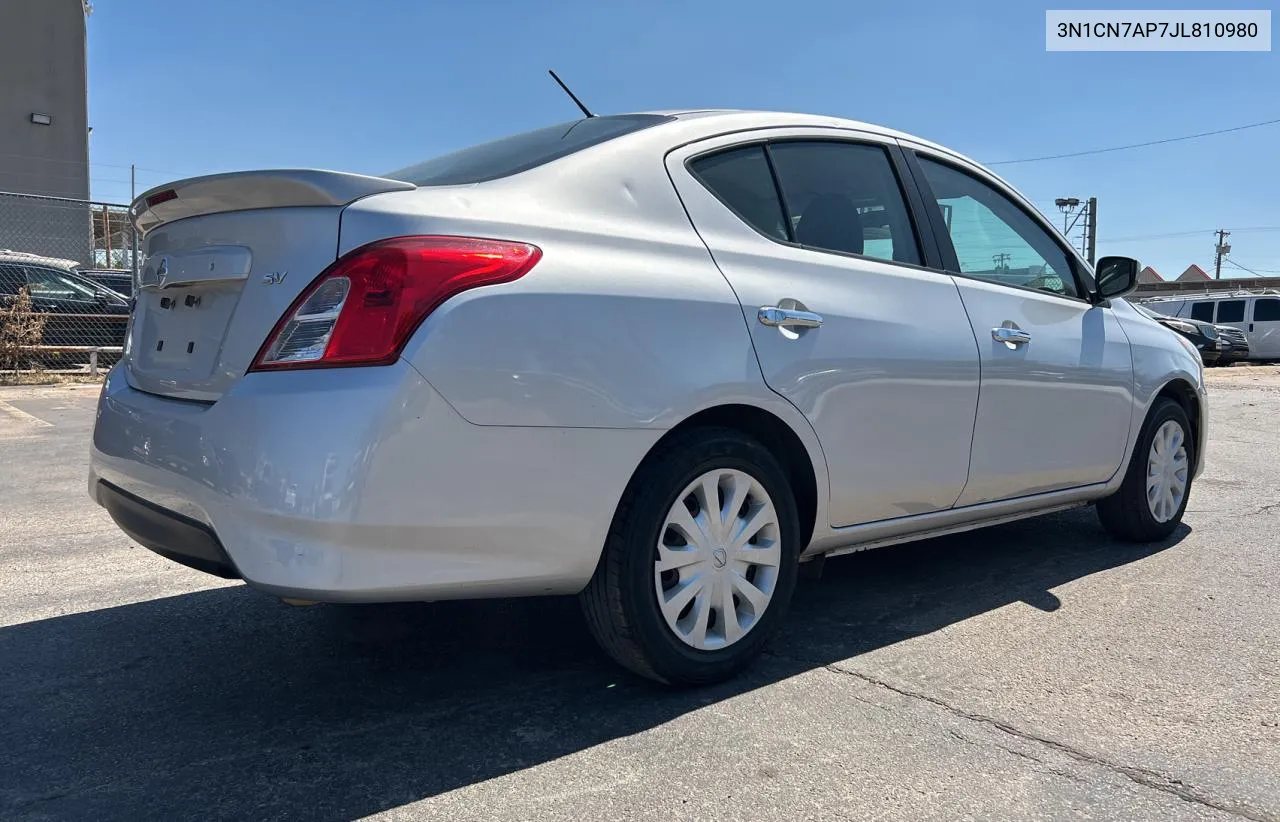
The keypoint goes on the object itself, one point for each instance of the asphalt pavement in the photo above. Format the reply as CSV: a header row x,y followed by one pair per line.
x,y
1037,670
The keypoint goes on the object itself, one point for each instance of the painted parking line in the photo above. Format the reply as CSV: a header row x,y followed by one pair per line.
x,y
19,414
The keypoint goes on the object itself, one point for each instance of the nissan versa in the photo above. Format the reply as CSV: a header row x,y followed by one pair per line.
x,y
655,360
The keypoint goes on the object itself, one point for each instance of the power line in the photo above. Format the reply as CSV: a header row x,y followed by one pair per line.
x,y
1245,268
1134,145
83,163
1186,233
1266,270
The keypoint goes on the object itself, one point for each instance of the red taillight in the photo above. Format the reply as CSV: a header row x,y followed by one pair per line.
x,y
162,197
362,309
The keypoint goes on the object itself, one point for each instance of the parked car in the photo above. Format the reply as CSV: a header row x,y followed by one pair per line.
x,y
1238,342
1204,336
81,312
120,282
1257,315
656,360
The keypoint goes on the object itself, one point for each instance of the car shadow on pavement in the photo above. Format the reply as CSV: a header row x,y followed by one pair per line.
x,y
226,704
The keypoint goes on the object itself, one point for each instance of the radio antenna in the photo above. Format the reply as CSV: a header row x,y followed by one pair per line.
x,y
572,96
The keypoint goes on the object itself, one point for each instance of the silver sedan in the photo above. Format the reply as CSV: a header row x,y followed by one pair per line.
x,y
656,360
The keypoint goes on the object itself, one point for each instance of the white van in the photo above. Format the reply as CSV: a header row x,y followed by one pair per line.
x,y
1256,314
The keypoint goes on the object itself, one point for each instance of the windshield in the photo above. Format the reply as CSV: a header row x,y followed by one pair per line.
x,y
521,152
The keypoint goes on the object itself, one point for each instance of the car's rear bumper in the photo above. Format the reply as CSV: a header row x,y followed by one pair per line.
x,y
170,535
358,484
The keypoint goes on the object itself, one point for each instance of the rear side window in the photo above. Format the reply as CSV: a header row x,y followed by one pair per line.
x,y
521,152
845,197
1231,311
1202,312
1266,310
12,279
741,180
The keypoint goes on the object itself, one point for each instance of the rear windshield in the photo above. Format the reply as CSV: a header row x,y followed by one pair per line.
x,y
521,152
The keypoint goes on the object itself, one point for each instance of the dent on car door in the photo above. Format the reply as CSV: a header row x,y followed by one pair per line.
x,y
1057,376
848,324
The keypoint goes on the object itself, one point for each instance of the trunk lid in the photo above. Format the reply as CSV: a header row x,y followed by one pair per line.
x,y
224,257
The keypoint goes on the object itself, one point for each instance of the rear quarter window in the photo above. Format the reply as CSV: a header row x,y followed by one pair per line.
x,y
1202,311
521,152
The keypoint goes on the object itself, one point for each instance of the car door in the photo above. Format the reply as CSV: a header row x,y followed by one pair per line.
x,y
1055,403
74,309
1264,328
812,231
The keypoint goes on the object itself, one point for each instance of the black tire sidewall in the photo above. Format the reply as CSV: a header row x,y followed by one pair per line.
x,y
659,487
1162,413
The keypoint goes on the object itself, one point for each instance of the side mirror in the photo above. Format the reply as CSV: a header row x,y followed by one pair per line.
x,y
1116,276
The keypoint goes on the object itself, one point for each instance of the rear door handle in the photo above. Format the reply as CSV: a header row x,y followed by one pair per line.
x,y
773,316
1012,337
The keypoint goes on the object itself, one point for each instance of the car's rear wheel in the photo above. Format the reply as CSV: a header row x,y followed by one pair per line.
x,y
1149,504
700,563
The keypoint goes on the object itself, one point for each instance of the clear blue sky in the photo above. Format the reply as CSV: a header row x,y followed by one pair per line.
x,y
187,88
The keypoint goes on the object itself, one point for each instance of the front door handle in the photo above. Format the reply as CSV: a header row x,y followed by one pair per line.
x,y
773,316
1012,337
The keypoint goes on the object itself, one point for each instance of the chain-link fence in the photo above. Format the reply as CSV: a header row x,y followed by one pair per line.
x,y
66,281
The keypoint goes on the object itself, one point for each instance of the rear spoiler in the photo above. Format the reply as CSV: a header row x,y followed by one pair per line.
x,y
243,190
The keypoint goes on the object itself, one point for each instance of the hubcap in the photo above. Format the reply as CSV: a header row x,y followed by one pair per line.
x,y
1167,471
716,564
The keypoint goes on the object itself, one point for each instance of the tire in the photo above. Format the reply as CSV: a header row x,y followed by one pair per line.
x,y
621,603
1127,514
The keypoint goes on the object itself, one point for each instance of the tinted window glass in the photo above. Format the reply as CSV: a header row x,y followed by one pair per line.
x,y
994,238
742,180
1231,311
1202,312
521,152
46,282
1266,310
845,197
12,279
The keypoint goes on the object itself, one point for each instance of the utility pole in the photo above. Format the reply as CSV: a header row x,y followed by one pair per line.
x,y
1220,250
1091,229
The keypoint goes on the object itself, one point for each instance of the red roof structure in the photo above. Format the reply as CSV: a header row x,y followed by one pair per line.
x,y
1193,272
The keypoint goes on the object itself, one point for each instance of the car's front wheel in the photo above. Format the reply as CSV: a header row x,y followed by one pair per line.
x,y
700,562
1149,504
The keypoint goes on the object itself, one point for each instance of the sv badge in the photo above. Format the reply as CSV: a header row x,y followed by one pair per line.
x,y
274,278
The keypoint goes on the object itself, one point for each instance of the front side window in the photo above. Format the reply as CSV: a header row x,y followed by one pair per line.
x,y
994,239
1231,311
1202,311
46,282
741,179
1266,310
845,197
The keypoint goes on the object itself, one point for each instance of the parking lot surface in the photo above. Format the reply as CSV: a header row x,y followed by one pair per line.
x,y
1036,670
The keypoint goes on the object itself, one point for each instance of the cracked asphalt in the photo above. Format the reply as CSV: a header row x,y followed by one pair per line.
x,y
1036,670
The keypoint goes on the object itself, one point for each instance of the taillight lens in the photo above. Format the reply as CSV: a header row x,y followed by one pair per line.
x,y
362,309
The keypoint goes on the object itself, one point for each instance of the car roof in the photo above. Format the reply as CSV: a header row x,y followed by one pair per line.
x,y
9,256
734,119
1219,295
